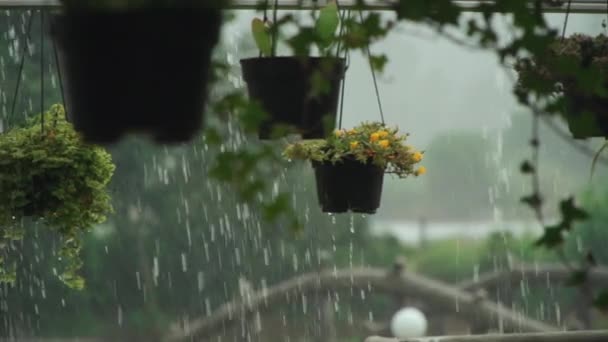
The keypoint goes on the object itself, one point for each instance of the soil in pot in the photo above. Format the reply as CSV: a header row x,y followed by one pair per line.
x,y
140,71
284,88
348,185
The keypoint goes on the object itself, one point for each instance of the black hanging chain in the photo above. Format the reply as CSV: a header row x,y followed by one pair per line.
x,y
21,64
42,70
566,19
371,67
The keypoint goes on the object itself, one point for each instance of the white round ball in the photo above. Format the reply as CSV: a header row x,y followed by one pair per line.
x,y
409,323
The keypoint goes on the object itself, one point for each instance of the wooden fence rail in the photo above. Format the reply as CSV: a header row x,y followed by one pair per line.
x,y
571,336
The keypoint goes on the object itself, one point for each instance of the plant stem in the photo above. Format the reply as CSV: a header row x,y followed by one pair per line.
x,y
595,159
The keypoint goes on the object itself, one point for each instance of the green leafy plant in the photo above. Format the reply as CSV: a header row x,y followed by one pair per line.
x,y
48,174
575,67
322,34
367,143
561,61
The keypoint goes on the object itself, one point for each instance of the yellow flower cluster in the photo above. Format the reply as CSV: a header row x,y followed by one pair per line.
x,y
420,171
417,157
372,142
376,136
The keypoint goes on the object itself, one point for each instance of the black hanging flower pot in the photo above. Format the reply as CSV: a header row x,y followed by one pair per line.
x,y
49,175
141,70
574,66
586,115
285,87
348,185
350,165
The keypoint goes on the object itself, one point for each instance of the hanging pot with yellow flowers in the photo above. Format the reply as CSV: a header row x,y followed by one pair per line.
x,y
350,165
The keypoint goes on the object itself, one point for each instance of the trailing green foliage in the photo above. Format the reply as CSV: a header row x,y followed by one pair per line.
x,y
576,67
368,142
561,61
48,174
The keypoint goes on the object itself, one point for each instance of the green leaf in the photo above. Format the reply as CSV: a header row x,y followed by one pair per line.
x,y
577,278
590,259
533,200
326,24
552,237
526,167
261,35
570,212
301,43
378,62
601,301
280,205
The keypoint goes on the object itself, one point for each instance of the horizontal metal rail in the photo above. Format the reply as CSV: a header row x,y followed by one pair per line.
x,y
570,336
553,6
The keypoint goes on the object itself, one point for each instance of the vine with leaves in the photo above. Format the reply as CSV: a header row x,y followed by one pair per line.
x,y
531,37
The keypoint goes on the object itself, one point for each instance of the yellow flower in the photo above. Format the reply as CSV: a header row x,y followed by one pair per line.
x,y
354,144
339,132
383,134
383,143
421,170
417,156
374,137
352,131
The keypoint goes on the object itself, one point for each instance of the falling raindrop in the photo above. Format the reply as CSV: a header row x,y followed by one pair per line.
x,y
184,263
119,315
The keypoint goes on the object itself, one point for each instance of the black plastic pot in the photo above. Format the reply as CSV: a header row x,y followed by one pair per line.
x,y
586,115
349,185
139,71
283,87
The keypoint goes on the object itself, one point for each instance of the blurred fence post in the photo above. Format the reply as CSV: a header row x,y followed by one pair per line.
x,y
325,304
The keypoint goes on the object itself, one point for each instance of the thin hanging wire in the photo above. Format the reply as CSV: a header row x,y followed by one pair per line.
x,y
21,64
342,87
60,76
42,70
605,21
264,18
346,65
341,21
346,61
275,30
371,67
566,19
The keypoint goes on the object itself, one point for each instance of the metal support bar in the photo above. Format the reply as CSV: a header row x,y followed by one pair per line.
x,y
551,6
566,336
